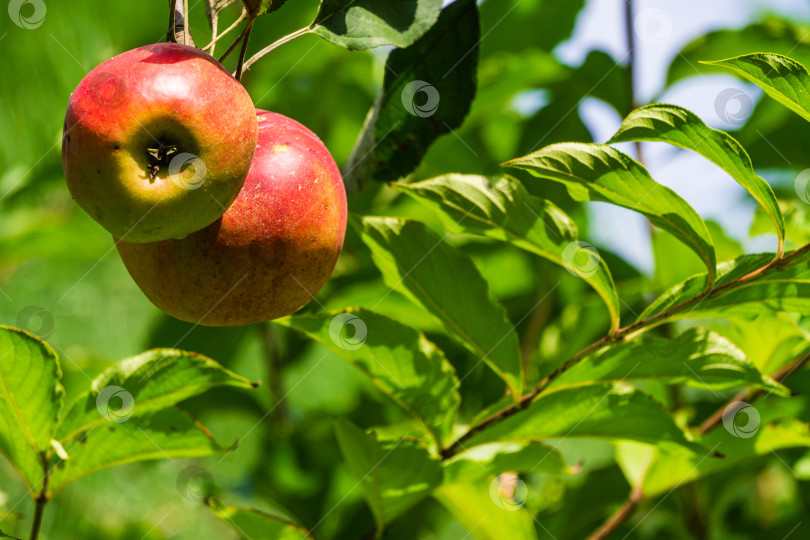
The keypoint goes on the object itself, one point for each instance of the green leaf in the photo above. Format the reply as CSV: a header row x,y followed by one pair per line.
x,y
746,431
399,360
674,261
445,282
614,411
166,434
521,27
635,460
796,212
597,172
674,470
256,8
427,91
698,358
143,384
782,287
362,24
485,513
253,524
4,535
30,399
500,207
726,272
394,476
773,34
769,340
782,78
483,460
773,136
680,127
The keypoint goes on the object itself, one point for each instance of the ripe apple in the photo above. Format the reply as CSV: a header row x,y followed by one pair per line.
x,y
270,253
157,142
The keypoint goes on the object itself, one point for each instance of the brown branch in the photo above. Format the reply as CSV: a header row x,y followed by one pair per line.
x,y
618,517
642,324
750,394
524,401
621,515
629,37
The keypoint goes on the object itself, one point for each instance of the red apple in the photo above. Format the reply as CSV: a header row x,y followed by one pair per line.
x,y
157,142
270,253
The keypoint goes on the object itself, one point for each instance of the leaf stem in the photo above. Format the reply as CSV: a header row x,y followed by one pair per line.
x,y
275,44
241,63
234,44
215,38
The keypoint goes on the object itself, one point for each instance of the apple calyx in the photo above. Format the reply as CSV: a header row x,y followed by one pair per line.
x,y
159,157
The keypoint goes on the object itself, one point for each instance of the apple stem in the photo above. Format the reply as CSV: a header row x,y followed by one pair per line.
x,y
170,35
178,24
186,34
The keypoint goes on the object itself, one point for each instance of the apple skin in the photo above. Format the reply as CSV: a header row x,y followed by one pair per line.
x,y
164,93
269,254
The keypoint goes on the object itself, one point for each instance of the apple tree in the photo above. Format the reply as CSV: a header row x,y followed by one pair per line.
x,y
358,285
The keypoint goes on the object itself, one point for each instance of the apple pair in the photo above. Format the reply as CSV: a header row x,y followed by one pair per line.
x,y
223,214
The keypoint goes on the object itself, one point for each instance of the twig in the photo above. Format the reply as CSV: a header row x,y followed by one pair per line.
x,y
613,522
524,401
618,517
42,498
638,326
749,394
630,38
277,43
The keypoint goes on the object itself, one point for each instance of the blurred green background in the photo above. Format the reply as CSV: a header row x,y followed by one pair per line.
x,y
61,278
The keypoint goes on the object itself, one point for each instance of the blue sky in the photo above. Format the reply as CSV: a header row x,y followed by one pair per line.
x,y
663,27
